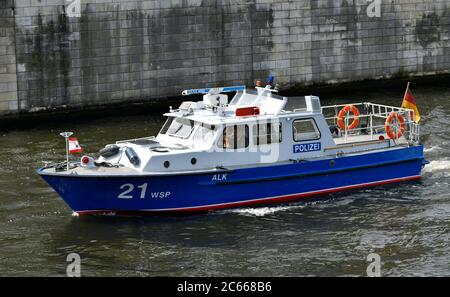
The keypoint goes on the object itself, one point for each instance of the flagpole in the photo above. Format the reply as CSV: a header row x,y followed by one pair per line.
x,y
66,135
406,91
67,152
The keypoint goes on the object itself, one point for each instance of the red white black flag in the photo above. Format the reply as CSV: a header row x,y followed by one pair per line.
x,y
74,146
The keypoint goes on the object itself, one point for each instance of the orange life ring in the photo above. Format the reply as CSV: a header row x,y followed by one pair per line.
x,y
344,111
387,125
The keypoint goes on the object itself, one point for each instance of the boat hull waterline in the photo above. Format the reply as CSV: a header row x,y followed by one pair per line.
x,y
235,188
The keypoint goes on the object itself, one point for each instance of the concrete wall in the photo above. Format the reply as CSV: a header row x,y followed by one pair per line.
x,y
8,77
119,50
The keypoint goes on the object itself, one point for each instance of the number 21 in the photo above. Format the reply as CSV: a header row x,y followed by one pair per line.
x,y
129,188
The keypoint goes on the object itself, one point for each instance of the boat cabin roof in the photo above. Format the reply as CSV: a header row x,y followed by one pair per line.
x,y
267,106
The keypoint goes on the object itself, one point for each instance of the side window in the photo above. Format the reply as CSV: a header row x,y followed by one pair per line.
x,y
204,133
267,133
181,128
166,126
235,136
305,130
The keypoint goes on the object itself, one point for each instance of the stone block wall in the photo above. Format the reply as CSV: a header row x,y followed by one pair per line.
x,y
127,50
8,77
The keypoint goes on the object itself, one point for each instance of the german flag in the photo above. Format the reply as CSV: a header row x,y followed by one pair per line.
x,y
409,102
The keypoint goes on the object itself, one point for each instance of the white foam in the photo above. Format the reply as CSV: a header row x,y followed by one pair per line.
x,y
430,149
261,211
437,165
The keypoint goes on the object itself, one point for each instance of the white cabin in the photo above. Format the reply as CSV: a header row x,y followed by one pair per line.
x,y
253,129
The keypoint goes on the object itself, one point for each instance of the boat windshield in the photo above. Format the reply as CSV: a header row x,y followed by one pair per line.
x,y
204,133
181,128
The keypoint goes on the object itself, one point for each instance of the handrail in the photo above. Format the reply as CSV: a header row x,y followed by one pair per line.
x,y
355,144
374,111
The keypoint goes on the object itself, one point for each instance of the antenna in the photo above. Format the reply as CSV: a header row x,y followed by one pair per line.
x,y
66,135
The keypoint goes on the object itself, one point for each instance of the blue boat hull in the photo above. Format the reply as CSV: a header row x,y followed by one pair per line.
x,y
208,191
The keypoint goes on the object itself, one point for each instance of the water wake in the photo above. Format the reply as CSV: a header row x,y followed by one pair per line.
x,y
262,211
432,148
438,166
268,210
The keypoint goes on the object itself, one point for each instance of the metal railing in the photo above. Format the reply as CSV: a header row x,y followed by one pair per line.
x,y
375,116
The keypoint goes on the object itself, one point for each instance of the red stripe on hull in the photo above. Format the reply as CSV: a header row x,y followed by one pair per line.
x,y
269,200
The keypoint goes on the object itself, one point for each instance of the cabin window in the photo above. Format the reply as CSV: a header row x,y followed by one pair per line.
x,y
266,133
305,130
181,128
166,125
204,133
234,137
236,98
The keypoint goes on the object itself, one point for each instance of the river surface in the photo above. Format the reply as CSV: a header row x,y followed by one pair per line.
x,y
407,225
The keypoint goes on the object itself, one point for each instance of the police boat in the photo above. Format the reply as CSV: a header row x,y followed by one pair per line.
x,y
251,150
